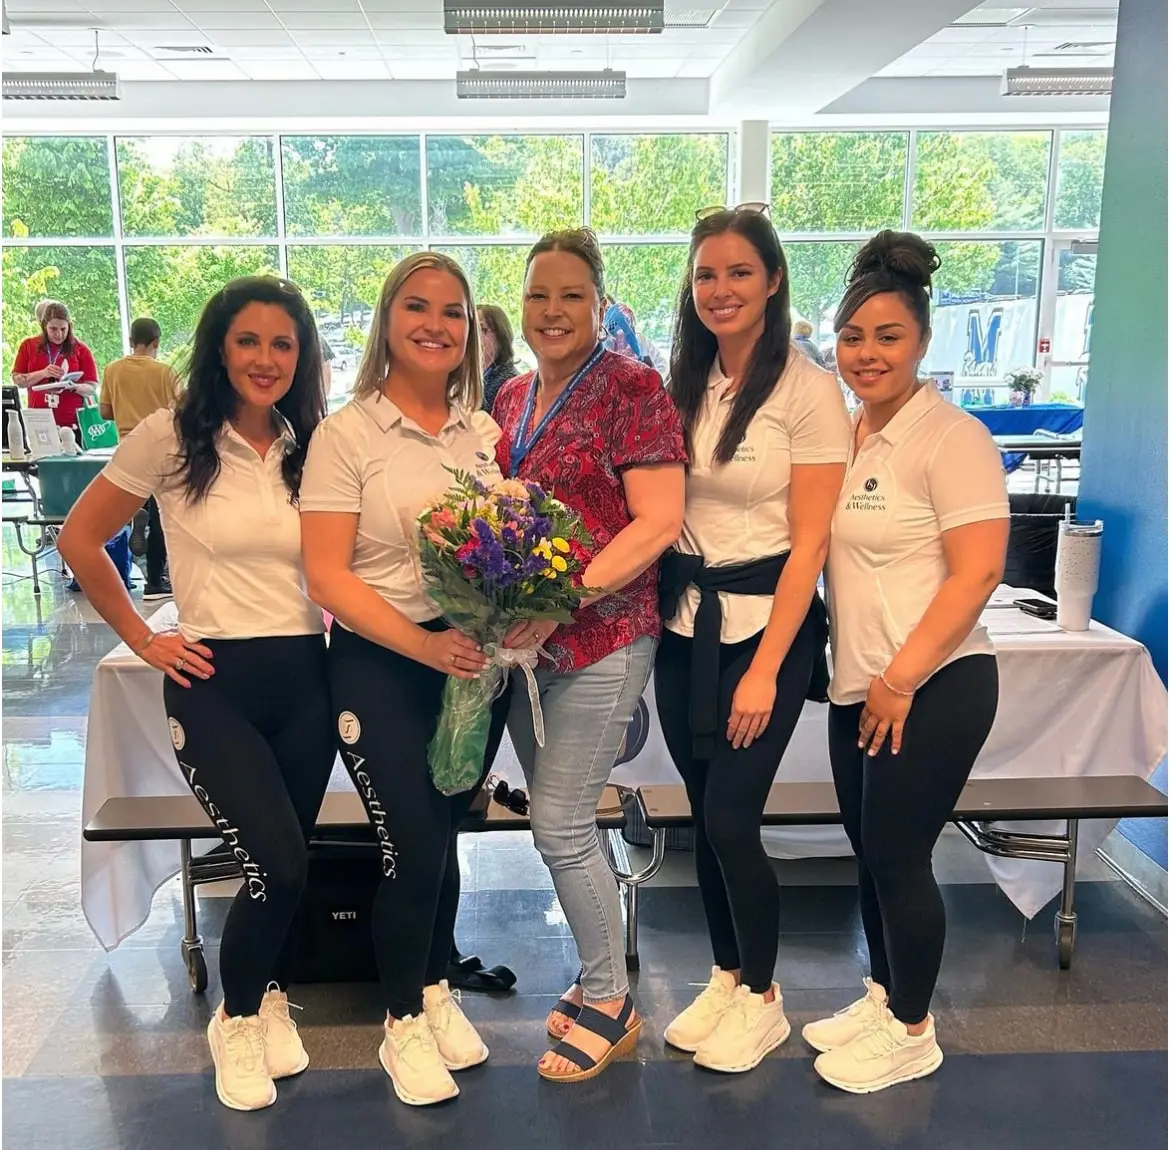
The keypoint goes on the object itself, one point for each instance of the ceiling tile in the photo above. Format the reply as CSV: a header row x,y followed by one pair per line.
x,y
205,70
121,21
279,69
299,21
352,70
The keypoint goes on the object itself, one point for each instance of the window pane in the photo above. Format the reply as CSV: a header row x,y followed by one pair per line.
x,y
981,181
504,185
984,321
647,278
84,279
655,184
838,181
816,272
342,284
496,273
351,185
171,284
1079,178
56,187
192,186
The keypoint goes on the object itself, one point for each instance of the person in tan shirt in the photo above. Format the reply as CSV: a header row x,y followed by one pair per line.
x,y
133,387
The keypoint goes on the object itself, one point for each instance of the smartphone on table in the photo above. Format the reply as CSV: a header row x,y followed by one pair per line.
x,y
1041,608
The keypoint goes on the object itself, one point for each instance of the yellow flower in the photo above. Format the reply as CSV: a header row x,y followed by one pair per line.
x,y
543,549
561,545
549,573
559,563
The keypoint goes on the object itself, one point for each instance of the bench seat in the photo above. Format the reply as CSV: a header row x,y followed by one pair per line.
x,y
982,800
163,817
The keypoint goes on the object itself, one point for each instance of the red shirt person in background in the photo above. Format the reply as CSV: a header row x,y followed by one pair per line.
x,y
47,357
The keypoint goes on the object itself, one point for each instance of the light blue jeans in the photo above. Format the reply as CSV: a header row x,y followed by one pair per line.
x,y
586,714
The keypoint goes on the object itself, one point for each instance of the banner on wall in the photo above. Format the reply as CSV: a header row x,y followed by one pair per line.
x,y
981,342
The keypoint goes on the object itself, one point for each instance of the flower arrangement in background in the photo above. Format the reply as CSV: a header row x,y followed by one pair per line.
x,y
1023,382
493,556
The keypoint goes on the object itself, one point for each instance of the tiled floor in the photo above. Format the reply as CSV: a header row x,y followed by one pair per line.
x,y
107,1050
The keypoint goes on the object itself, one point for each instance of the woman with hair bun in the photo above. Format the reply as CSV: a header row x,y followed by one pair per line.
x,y
918,544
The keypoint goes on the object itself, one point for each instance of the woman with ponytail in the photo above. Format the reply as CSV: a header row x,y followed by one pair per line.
x,y
918,544
767,435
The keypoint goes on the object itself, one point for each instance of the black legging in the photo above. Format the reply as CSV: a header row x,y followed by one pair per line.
x,y
387,707
894,808
156,543
738,886
255,744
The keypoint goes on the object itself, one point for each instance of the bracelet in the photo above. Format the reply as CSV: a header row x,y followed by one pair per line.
x,y
890,687
149,639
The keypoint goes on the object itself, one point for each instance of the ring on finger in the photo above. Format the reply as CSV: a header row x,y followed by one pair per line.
x,y
180,663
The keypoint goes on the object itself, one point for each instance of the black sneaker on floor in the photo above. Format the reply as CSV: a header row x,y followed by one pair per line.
x,y
156,591
138,533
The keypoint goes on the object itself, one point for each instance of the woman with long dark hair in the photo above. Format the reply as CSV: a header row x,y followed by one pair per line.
x,y
767,435
245,689
495,345
373,467
919,538
42,360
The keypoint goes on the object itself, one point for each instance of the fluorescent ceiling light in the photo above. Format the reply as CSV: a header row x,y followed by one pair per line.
x,y
61,86
1057,82
989,17
484,85
537,16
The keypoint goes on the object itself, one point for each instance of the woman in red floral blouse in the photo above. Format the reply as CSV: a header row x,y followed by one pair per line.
x,y
600,432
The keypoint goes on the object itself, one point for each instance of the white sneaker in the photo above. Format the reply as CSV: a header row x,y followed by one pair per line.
x,y
458,1041
242,1080
848,1024
883,1056
284,1052
699,1020
410,1055
749,1029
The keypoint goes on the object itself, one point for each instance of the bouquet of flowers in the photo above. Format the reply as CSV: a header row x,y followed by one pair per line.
x,y
494,556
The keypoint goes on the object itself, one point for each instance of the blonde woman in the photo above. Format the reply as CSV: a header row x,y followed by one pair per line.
x,y
372,467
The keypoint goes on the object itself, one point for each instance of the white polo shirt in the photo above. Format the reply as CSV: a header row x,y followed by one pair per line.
x,y
235,555
931,469
370,460
738,511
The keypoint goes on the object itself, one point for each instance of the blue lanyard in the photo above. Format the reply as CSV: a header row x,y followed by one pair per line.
x,y
522,443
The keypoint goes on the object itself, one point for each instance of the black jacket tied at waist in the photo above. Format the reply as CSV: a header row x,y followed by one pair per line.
x,y
677,572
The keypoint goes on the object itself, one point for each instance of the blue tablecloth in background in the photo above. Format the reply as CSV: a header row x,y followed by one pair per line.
x,y
1061,418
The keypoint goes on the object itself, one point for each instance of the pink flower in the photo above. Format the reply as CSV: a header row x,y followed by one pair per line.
x,y
443,519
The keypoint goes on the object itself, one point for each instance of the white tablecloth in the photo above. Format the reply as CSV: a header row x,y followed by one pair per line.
x,y
1070,704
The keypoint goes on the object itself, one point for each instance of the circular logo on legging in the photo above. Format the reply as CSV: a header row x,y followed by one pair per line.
x,y
178,735
349,728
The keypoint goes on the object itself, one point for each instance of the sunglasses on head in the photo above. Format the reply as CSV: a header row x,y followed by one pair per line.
x,y
752,207
513,799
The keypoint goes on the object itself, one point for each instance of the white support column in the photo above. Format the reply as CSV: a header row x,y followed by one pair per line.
x,y
753,162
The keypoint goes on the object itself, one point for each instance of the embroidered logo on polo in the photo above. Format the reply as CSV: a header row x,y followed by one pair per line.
x,y
349,728
485,465
867,499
